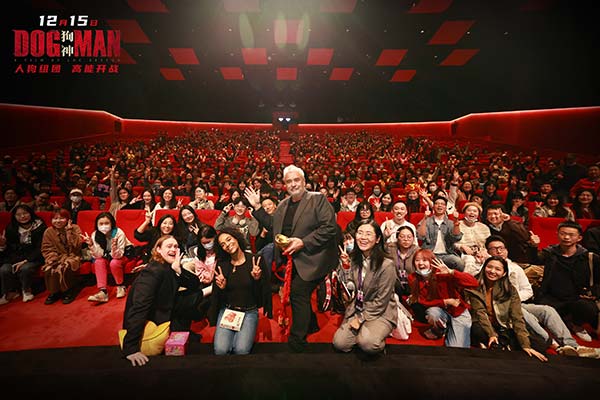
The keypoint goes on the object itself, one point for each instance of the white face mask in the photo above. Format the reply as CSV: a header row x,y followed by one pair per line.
x,y
104,228
376,192
75,199
208,246
349,247
423,272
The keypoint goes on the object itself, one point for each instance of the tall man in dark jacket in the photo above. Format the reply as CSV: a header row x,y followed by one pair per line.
x,y
308,220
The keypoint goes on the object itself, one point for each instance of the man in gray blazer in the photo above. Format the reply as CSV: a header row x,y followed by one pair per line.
x,y
308,220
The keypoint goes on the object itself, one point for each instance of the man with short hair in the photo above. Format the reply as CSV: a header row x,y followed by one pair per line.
x,y
567,284
539,318
308,220
439,235
521,243
349,201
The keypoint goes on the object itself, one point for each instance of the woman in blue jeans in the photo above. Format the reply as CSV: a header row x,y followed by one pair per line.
x,y
240,285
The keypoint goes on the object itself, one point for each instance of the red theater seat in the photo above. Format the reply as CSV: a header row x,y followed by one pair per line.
x,y
208,216
94,201
415,218
546,229
46,216
5,217
159,213
588,223
381,216
184,199
128,221
343,218
86,220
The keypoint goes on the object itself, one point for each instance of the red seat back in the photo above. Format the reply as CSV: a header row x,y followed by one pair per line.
x,y
46,216
86,220
128,221
208,216
5,217
546,229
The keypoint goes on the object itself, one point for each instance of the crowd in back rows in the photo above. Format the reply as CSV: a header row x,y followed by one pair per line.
x,y
346,167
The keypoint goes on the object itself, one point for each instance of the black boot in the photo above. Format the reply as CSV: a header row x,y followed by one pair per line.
x,y
53,298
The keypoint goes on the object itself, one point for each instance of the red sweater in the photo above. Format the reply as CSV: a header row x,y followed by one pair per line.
x,y
449,286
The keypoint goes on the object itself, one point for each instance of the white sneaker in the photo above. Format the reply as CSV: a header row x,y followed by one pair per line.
x,y
99,297
567,350
588,352
27,296
583,335
121,292
3,300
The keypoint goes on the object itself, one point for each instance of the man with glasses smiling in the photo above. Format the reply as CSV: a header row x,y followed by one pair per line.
x,y
539,318
571,282
42,202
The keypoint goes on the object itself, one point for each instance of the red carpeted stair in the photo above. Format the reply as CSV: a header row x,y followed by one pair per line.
x,y
284,153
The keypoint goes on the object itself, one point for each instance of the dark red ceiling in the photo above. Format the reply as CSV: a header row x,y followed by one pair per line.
x,y
334,60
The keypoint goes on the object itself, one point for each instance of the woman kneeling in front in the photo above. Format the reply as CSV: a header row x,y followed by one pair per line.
x,y
371,315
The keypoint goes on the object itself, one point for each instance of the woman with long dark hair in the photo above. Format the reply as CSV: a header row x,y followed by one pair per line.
x,y
21,253
496,311
554,207
149,234
371,314
240,285
363,211
107,245
585,205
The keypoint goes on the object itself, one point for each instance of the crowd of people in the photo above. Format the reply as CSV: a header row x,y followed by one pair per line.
x,y
460,269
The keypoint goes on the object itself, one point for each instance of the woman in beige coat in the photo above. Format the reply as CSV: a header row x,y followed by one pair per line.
x,y
61,249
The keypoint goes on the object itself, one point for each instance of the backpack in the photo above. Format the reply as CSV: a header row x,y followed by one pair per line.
x,y
332,294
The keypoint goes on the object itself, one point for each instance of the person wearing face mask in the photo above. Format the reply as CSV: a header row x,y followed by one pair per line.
x,y
205,260
107,245
153,297
436,298
61,249
76,203
375,196
471,246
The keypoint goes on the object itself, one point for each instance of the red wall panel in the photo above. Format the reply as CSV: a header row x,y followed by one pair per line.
x,y
562,130
566,129
39,126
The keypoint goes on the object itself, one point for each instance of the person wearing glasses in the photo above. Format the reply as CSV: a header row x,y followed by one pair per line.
x,y
41,202
371,315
